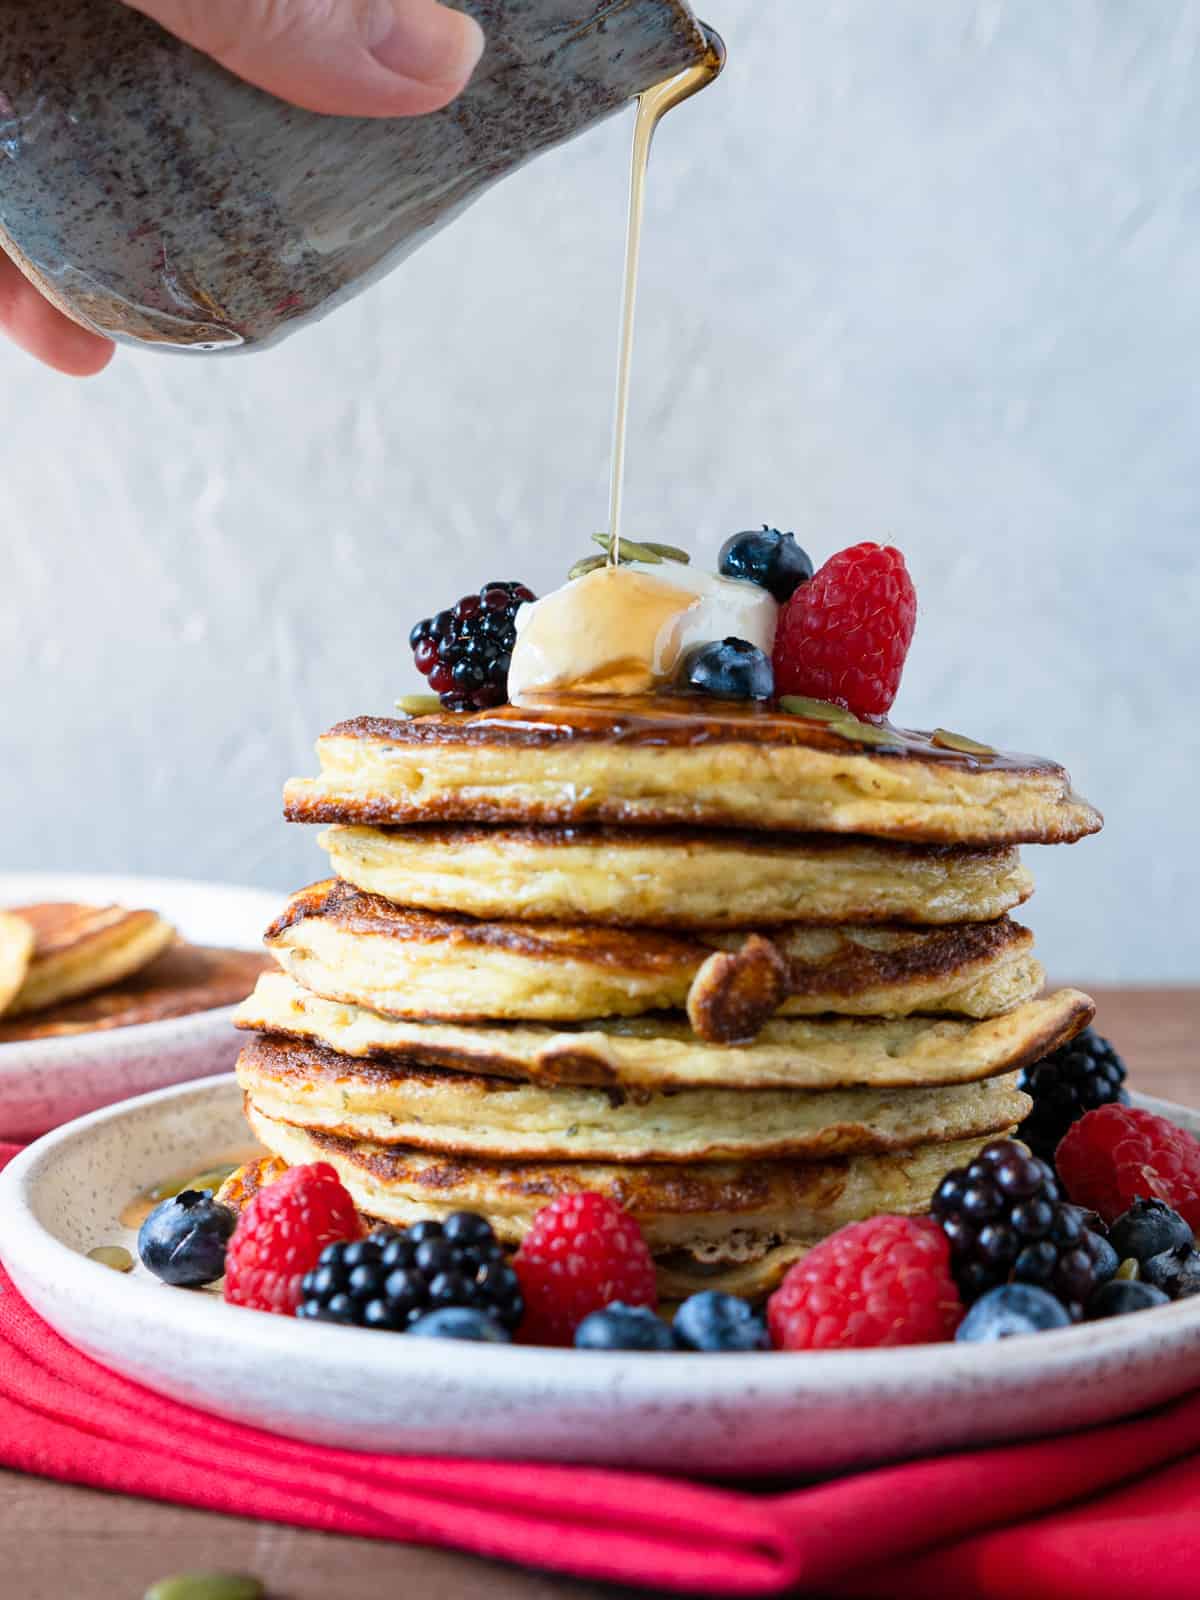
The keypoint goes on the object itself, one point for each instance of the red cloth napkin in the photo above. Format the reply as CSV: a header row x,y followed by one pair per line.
x,y
1100,1515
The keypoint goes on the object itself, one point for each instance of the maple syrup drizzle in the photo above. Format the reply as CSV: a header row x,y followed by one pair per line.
x,y
652,106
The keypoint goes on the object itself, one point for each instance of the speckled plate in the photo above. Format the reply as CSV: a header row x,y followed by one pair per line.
x,y
768,1413
45,1082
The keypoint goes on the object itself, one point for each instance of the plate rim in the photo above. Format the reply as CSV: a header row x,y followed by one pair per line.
x,y
35,1252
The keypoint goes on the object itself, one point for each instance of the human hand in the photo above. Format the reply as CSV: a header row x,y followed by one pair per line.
x,y
363,58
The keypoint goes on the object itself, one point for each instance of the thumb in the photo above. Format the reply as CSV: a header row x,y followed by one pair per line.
x,y
364,58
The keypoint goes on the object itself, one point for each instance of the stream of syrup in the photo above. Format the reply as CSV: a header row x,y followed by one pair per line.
x,y
652,106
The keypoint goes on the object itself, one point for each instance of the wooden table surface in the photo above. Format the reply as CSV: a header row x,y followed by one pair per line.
x,y
59,1543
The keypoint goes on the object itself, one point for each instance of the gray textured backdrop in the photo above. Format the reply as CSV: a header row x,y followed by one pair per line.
x,y
915,272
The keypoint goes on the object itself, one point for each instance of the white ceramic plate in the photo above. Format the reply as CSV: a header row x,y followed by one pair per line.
x,y
723,1414
45,1082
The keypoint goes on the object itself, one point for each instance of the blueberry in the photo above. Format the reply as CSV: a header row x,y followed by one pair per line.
x,y
621,1327
1011,1309
1176,1272
712,1321
730,669
772,560
1105,1259
1119,1295
183,1240
1147,1229
458,1322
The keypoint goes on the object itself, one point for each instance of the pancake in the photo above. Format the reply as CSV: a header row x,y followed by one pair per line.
x,y
184,979
676,877
658,1053
16,947
431,1109
78,949
734,1210
359,948
677,759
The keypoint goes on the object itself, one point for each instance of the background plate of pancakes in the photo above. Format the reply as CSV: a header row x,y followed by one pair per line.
x,y
733,1414
128,985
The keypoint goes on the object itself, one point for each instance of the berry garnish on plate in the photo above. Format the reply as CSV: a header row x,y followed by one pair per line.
x,y
394,1277
844,635
729,669
1176,1271
1118,1154
713,1321
582,1253
772,560
184,1239
621,1327
1147,1229
281,1234
465,651
459,1322
886,1281
1009,1309
1121,1295
1075,1078
1006,1222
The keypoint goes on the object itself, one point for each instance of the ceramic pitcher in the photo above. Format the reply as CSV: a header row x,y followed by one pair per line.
x,y
158,199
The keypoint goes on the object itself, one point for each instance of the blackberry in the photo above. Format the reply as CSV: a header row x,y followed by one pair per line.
x,y
394,1277
1006,1223
465,652
1075,1078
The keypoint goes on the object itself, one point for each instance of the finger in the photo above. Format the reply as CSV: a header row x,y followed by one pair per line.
x,y
44,331
365,58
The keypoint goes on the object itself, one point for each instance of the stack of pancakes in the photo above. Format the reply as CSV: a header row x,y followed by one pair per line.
x,y
750,973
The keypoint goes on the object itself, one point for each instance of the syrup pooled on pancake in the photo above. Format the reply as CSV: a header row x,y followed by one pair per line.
x,y
674,759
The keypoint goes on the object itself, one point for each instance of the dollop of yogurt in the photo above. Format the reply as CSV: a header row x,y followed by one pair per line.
x,y
625,629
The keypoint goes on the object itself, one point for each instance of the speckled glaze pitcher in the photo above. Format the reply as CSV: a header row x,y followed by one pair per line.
x,y
158,199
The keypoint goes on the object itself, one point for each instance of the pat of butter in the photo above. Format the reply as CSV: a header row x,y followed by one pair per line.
x,y
624,630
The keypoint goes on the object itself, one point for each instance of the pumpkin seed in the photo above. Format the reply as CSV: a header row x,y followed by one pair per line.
x,y
586,565
799,705
648,550
865,732
1130,1270
206,1586
418,705
669,552
959,741
112,1255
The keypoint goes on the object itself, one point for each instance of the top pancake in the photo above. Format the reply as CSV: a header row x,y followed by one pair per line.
x,y
79,949
687,760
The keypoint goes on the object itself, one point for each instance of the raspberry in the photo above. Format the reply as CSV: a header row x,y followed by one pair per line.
x,y
465,652
1118,1154
282,1232
885,1281
581,1253
844,634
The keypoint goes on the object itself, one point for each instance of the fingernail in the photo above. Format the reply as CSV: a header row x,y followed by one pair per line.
x,y
430,43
